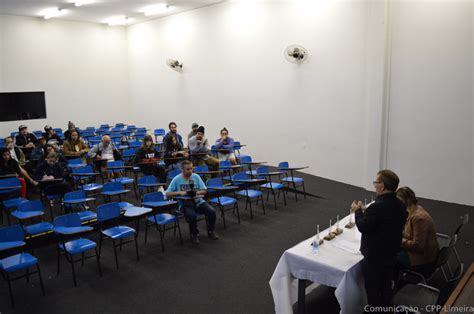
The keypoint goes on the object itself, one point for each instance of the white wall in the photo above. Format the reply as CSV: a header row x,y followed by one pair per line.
x,y
235,75
430,137
82,67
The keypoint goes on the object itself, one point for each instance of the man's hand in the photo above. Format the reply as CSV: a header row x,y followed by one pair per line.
x,y
357,205
30,145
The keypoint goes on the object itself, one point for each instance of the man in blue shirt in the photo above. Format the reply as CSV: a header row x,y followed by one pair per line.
x,y
191,185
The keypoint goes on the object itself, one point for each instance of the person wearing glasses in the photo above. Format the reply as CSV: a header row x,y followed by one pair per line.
x,y
420,246
381,224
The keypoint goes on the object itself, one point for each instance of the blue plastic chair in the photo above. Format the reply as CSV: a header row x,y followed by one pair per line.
x,y
249,194
161,220
270,186
243,160
79,199
147,183
173,173
75,163
108,216
113,189
6,192
290,179
159,134
29,210
67,226
86,178
13,237
129,154
224,202
120,170
134,144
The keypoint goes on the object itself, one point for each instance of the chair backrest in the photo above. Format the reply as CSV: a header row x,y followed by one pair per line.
x,y
130,152
134,144
115,163
245,159
160,132
262,169
465,220
201,168
154,197
224,163
74,195
112,186
68,220
85,169
4,183
90,128
119,124
75,161
104,126
58,130
445,252
31,206
9,182
108,211
240,176
131,127
147,179
174,173
215,182
284,164
11,233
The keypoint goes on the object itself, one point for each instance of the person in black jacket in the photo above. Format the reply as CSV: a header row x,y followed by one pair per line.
x,y
381,224
174,153
148,151
51,137
26,141
51,176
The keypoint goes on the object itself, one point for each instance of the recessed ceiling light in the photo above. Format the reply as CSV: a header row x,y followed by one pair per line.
x,y
118,20
157,9
51,12
78,3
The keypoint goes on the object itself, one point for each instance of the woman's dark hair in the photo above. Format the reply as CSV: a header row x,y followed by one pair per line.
x,y
148,138
3,150
45,149
224,129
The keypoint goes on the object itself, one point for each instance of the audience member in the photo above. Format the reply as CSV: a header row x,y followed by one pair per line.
x,y
74,146
15,153
51,137
174,153
104,152
198,144
70,127
225,147
381,225
190,184
51,176
194,128
148,152
419,243
9,166
173,131
25,140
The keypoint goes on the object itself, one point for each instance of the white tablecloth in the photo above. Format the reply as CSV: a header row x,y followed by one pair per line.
x,y
336,264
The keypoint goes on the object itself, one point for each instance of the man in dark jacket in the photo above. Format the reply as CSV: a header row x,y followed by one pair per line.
x,y
381,224
26,141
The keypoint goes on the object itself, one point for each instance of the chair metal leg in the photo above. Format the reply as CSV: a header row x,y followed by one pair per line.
x,y
136,246
179,230
296,193
100,244
249,202
284,199
98,262
40,278
146,230
115,253
263,204
162,235
274,199
73,270
238,214
10,289
223,215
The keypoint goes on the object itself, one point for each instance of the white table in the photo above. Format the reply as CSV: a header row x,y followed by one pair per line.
x,y
331,266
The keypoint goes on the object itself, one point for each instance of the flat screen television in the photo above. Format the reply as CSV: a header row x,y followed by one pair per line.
x,y
22,106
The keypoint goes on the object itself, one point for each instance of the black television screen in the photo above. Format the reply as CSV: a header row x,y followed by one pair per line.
x,y
22,106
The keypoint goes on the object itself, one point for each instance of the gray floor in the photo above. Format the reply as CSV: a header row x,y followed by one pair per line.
x,y
226,276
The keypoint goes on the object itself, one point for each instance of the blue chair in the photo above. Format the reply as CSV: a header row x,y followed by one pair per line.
x,y
29,210
120,125
245,159
291,179
8,188
226,167
237,148
156,200
159,134
12,237
79,199
270,186
113,189
75,163
117,167
85,177
104,126
38,133
173,173
129,154
222,201
108,216
67,227
134,144
147,183
249,194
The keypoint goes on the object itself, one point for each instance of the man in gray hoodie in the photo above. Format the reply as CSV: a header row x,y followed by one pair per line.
x,y
199,145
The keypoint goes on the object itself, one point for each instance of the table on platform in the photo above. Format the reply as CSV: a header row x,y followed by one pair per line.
x,y
336,264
